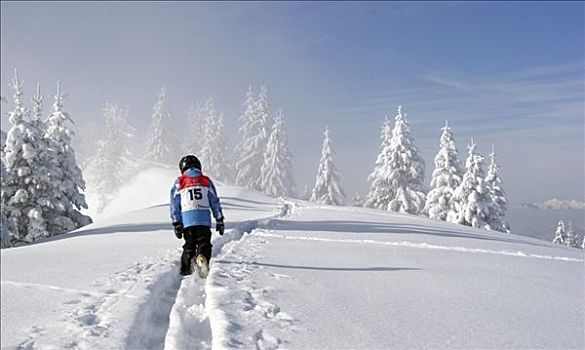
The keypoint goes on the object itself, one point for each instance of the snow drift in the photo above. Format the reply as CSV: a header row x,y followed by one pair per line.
x,y
290,274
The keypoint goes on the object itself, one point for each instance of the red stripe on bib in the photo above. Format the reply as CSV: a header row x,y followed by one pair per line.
x,y
188,181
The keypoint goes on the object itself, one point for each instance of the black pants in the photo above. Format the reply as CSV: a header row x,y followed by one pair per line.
x,y
197,241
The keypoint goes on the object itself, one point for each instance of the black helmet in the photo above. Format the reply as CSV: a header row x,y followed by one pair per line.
x,y
189,161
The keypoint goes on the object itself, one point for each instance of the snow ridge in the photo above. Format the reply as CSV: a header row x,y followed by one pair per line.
x,y
423,246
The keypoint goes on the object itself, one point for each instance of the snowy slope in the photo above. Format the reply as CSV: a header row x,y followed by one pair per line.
x,y
304,277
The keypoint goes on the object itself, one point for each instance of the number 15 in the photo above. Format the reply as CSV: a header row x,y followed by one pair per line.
x,y
195,194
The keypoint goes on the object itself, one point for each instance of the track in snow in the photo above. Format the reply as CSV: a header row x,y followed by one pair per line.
x,y
520,254
152,321
177,313
189,326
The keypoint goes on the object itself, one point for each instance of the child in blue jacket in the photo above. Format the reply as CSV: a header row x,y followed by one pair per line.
x,y
193,200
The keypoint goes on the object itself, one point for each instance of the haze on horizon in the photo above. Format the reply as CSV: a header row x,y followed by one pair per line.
x,y
509,74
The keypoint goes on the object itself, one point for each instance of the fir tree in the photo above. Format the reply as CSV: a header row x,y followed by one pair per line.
x,y
397,179
25,191
276,171
53,209
440,203
245,173
497,211
2,142
472,196
214,153
254,130
161,144
197,117
110,160
6,230
306,195
67,176
381,192
560,234
571,238
327,188
356,200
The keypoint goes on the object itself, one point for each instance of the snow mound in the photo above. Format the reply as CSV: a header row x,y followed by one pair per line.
x,y
147,188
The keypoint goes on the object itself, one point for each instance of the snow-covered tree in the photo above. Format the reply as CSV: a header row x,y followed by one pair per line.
x,y
3,135
161,145
108,165
50,164
327,188
571,237
446,178
255,131
356,200
25,190
497,211
66,175
381,192
306,195
197,116
472,196
560,234
276,171
215,155
5,232
397,182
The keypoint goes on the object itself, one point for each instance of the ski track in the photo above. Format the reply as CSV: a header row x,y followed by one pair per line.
x,y
422,246
242,313
85,293
97,316
197,319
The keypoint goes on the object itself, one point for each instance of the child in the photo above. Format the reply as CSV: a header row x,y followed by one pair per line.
x,y
193,196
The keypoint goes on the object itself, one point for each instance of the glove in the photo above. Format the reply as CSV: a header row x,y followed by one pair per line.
x,y
220,227
178,228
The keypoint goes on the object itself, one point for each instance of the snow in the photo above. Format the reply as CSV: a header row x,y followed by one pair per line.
x,y
289,274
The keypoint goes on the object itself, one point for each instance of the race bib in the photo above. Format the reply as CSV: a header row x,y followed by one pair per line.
x,y
194,198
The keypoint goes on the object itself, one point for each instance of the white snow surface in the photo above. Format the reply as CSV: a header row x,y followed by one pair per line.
x,y
290,274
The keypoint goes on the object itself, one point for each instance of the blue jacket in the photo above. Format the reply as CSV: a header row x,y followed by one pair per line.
x,y
192,197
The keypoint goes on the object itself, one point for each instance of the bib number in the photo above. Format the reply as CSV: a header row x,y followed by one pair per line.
x,y
194,198
195,194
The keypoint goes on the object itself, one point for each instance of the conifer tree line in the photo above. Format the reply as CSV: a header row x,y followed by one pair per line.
x,y
42,185
39,155
464,195
565,235
260,161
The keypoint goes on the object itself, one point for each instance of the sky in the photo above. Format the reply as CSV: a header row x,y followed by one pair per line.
x,y
509,74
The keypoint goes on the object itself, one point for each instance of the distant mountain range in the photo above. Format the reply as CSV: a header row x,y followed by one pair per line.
x,y
556,204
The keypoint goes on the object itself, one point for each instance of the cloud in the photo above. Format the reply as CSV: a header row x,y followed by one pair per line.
x,y
532,98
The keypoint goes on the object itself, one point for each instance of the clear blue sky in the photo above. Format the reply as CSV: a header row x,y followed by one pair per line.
x,y
506,73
